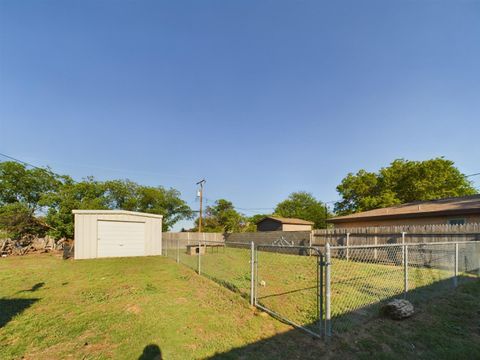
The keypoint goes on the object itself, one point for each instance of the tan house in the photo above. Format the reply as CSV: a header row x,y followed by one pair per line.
x,y
454,211
275,223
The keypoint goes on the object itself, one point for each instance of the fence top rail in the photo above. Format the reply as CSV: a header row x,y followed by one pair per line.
x,y
385,234
400,245
239,243
432,228
293,247
418,234
207,242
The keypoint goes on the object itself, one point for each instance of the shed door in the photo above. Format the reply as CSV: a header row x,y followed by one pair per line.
x,y
120,238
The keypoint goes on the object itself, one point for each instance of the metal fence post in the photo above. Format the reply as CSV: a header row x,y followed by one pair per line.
x,y
256,277
199,263
178,250
348,244
252,273
455,274
320,263
328,325
405,269
403,247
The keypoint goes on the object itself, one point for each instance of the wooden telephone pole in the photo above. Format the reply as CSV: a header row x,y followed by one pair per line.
x,y
201,183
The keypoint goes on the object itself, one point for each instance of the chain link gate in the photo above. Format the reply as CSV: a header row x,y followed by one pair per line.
x,y
289,285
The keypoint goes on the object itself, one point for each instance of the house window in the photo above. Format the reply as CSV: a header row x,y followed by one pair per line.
x,y
456,221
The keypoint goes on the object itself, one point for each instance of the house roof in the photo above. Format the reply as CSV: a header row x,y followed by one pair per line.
x,y
283,220
448,206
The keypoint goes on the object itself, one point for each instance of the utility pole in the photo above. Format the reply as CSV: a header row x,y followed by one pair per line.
x,y
200,183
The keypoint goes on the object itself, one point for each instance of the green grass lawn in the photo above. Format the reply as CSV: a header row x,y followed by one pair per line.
x,y
287,284
114,308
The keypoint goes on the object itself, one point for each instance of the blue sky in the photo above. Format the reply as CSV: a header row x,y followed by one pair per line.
x,y
262,98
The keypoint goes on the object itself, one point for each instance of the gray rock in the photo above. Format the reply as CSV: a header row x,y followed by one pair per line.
x,y
398,309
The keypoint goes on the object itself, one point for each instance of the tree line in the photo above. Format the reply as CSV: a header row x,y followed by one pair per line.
x,y
38,201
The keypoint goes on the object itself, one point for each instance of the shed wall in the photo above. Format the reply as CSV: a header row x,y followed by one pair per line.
x,y
86,233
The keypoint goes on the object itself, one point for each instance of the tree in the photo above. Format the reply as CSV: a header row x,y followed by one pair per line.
x,y
21,190
222,217
16,220
251,222
90,194
26,193
21,185
401,182
166,202
303,205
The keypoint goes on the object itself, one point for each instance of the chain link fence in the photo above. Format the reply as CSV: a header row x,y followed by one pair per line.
x,y
360,279
289,285
335,291
226,263
229,264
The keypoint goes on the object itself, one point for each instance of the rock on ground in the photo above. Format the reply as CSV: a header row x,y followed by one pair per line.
x,y
398,309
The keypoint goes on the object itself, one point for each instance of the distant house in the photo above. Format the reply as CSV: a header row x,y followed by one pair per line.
x,y
453,211
275,223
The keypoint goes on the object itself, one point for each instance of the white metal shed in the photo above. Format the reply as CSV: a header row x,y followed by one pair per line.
x,y
116,233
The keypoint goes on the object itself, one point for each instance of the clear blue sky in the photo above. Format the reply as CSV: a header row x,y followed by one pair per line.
x,y
261,98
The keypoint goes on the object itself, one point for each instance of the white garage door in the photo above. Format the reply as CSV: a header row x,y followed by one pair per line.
x,y
117,238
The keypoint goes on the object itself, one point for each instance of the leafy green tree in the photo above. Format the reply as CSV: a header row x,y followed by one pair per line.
x,y
128,195
122,194
402,182
21,190
251,222
16,220
88,194
303,205
26,186
222,217
166,202
33,191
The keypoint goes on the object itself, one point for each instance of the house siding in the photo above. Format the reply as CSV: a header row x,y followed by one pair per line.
x,y
269,225
296,227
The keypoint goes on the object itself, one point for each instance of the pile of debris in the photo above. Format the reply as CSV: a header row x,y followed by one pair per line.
x,y
32,244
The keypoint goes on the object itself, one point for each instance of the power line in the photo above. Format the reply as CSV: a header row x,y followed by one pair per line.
x,y
21,162
472,174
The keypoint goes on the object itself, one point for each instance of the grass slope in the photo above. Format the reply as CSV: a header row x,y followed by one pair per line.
x,y
113,308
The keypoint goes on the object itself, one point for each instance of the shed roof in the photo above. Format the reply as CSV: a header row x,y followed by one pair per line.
x,y
116,212
283,220
447,206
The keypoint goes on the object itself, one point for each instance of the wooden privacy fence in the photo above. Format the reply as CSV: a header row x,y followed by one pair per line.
x,y
192,236
407,234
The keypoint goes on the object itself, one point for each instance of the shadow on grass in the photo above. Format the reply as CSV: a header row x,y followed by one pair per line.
x,y
298,344
151,352
34,288
9,308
